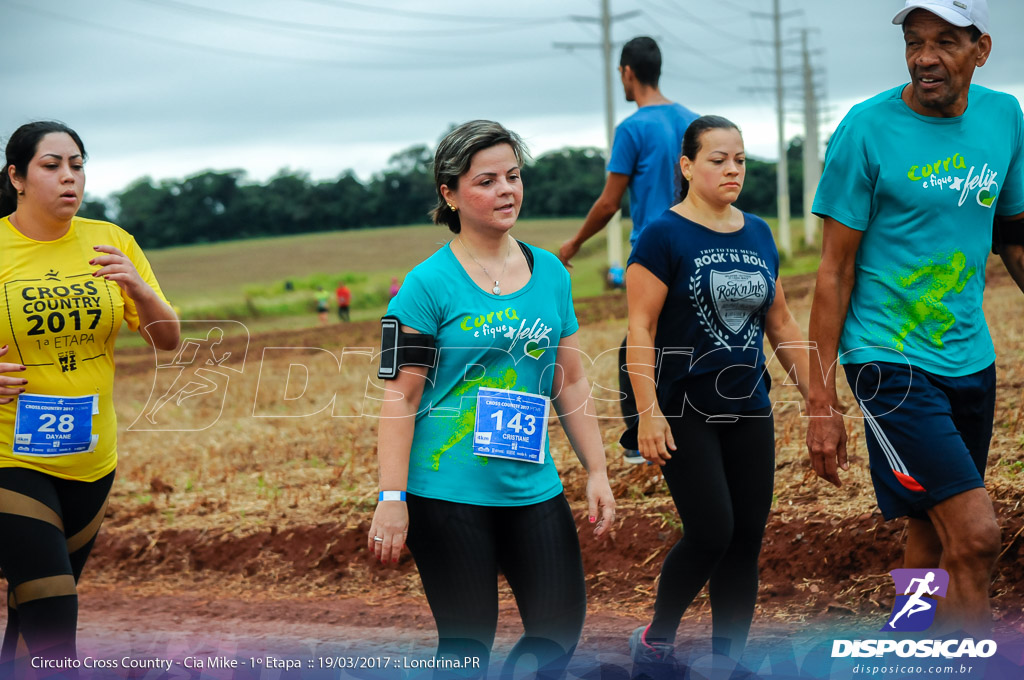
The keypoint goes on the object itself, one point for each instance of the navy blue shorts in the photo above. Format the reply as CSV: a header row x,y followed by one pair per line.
x,y
927,435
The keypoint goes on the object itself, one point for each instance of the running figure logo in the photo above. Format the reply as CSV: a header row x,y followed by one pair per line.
x,y
914,610
190,387
933,281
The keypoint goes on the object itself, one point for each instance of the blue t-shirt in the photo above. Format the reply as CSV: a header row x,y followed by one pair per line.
x,y
647,146
924,191
504,342
710,335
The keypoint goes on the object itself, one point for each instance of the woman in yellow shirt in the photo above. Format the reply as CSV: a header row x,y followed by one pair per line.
x,y
68,284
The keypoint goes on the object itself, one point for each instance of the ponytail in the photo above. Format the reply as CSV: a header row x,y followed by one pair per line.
x,y
8,196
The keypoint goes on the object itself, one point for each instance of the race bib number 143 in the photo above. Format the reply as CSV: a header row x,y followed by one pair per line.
x,y
510,425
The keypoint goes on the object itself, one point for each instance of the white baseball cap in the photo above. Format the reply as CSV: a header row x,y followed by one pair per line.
x,y
961,13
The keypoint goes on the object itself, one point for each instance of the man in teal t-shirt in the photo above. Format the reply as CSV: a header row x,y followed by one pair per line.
x,y
913,180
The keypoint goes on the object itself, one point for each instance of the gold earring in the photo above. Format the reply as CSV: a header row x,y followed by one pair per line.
x,y
452,208
21,192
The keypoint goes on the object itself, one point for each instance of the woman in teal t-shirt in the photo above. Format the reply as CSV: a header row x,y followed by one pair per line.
x,y
465,470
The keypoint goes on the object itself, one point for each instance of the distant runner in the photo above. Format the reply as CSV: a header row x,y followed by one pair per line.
x,y
322,297
344,297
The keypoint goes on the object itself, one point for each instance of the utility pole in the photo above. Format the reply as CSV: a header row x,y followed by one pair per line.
x,y
782,169
812,143
614,233
614,229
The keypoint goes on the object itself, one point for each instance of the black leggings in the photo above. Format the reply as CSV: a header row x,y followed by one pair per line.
x,y
459,550
721,478
47,527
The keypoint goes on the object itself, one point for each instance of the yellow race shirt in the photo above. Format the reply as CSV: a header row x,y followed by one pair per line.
x,y
61,323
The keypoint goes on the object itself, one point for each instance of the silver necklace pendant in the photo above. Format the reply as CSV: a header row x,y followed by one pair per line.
x,y
508,251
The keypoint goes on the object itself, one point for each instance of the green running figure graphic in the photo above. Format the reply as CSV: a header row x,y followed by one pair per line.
x,y
466,420
939,279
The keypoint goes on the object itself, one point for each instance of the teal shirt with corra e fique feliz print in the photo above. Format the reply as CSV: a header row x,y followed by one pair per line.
x,y
924,190
506,342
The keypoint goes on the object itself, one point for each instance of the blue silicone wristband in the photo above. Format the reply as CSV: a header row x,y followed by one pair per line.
x,y
391,496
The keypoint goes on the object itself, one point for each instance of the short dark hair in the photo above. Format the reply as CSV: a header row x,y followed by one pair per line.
x,y
643,56
691,140
455,154
21,149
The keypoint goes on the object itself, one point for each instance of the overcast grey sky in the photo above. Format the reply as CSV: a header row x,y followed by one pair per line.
x,y
167,88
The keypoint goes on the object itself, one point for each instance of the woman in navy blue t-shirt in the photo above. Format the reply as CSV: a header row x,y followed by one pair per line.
x,y
703,292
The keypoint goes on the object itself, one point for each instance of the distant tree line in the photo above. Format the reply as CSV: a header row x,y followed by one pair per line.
x,y
222,205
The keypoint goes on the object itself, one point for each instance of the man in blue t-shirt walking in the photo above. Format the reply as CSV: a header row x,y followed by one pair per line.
x,y
913,180
645,151
645,158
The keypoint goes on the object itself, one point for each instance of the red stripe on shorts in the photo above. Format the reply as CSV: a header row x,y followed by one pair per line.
x,y
907,481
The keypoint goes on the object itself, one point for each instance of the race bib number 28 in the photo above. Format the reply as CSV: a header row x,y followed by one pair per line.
x,y
510,425
48,425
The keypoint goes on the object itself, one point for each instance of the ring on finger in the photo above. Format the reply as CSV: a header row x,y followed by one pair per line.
x,y
378,539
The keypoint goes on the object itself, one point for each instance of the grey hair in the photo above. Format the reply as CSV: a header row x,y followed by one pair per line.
x,y
455,154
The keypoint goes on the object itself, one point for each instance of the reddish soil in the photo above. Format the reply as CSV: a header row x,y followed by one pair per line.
x,y
818,565
304,577
310,591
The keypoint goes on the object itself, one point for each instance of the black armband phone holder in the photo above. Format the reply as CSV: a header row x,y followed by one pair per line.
x,y
1006,232
398,349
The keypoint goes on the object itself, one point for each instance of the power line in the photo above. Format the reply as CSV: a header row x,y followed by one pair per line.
x,y
736,72
700,54
235,18
759,44
733,5
676,73
404,13
689,16
242,54
636,26
588,63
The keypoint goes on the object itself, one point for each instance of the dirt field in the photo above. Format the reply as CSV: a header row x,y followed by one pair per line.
x,y
252,527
